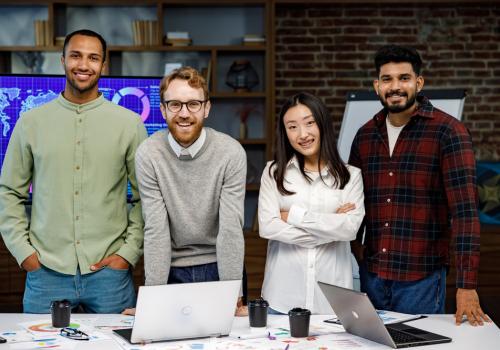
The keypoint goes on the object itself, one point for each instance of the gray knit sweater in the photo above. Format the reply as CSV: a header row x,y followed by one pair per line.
x,y
193,209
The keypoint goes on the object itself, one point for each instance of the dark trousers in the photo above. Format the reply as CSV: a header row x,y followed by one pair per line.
x,y
197,273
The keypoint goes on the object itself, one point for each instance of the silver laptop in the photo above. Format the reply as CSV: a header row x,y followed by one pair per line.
x,y
183,311
358,316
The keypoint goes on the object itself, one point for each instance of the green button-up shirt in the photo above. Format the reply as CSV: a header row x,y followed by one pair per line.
x,y
78,158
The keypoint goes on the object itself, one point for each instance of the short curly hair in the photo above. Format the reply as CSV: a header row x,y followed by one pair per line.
x,y
191,75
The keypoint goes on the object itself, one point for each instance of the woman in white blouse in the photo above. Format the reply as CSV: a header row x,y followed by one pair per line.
x,y
310,207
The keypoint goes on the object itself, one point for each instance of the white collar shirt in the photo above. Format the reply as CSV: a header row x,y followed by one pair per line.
x,y
313,245
191,150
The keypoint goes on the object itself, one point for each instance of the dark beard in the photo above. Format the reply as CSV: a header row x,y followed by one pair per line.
x,y
398,108
183,138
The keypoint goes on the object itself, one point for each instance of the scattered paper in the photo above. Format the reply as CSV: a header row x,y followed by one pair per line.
x,y
40,328
49,343
394,317
43,331
108,322
17,336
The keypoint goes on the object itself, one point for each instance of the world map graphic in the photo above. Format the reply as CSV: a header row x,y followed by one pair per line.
x,y
19,94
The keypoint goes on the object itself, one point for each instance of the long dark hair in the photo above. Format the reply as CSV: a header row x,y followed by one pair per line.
x,y
328,147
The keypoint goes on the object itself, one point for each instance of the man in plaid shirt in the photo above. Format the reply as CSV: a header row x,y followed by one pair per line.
x,y
419,178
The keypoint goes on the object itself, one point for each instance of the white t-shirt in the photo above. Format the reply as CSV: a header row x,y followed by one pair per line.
x,y
392,134
313,245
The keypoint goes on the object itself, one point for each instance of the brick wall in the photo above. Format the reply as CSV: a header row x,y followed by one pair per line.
x,y
328,50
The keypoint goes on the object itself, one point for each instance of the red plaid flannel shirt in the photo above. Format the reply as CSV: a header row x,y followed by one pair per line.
x,y
420,200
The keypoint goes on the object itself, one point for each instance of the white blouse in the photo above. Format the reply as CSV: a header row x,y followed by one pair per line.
x,y
313,245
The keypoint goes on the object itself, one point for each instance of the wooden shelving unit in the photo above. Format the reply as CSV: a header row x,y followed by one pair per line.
x,y
60,17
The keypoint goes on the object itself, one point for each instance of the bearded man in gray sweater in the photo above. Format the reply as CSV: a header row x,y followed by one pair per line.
x,y
192,185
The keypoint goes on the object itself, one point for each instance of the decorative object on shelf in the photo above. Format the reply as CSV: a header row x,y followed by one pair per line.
x,y
243,130
177,39
33,60
488,185
241,76
253,39
244,112
207,73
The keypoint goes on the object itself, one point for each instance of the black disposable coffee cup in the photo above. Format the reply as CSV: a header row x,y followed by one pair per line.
x,y
299,322
257,312
61,313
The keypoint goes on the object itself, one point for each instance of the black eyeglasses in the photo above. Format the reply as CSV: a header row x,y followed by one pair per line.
x,y
175,106
73,333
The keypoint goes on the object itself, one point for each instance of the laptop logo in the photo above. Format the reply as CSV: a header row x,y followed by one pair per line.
x,y
355,314
187,310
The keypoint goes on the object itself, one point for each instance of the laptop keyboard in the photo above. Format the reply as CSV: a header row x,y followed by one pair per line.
x,y
401,338
125,333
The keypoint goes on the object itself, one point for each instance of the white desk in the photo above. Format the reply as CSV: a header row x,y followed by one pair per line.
x,y
464,337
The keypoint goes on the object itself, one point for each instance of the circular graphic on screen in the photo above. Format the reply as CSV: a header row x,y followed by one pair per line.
x,y
139,94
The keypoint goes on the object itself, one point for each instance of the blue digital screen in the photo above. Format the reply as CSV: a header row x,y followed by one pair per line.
x,y
20,93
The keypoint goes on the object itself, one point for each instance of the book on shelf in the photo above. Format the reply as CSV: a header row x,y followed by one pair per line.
x,y
136,33
177,39
145,32
178,42
39,29
177,35
153,32
59,40
46,34
253,39
42,33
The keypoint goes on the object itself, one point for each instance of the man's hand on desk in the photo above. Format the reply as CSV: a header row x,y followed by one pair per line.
x,y
241,310
468,304
31,263
113,261
130,312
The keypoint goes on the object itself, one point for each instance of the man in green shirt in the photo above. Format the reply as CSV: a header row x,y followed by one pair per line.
x,y
77,151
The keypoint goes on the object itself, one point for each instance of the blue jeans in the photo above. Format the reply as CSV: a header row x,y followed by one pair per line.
x,y
425,296
197,273
105,291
